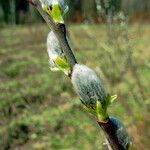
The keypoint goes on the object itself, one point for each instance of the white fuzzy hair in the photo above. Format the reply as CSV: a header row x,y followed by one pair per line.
x,y
53,48
88,86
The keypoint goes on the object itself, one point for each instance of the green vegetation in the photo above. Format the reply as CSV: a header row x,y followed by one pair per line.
x,y
39,109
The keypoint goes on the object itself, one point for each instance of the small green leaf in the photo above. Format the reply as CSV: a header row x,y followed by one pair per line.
x,y
57,14
110,99
54,69
61,62
62,65
130,147
101,112
99,108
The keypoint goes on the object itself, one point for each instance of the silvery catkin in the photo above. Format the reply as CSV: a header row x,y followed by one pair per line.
x,y
53,49
88,86
120,132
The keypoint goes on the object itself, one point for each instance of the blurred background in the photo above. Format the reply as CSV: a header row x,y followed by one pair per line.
x,y
19,11
39,109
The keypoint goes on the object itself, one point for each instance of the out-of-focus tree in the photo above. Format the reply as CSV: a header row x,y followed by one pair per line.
x,y
14,10
137,9
88,10
6,10
74,13
131,6
110,6
21,10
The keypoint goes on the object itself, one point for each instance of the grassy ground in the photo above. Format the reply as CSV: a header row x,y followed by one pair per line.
x,y
39,109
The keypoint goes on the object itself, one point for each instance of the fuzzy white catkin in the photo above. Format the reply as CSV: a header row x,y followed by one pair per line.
x,y
53,48
88,86
121,132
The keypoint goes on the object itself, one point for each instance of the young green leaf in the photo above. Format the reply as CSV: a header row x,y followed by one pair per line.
x,y
110,100
101,112
62,65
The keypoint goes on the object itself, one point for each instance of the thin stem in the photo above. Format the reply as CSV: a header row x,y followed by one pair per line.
x,y
60,32
108,144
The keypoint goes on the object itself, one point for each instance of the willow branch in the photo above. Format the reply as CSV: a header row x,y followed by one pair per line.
x,y
60,32
84,81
